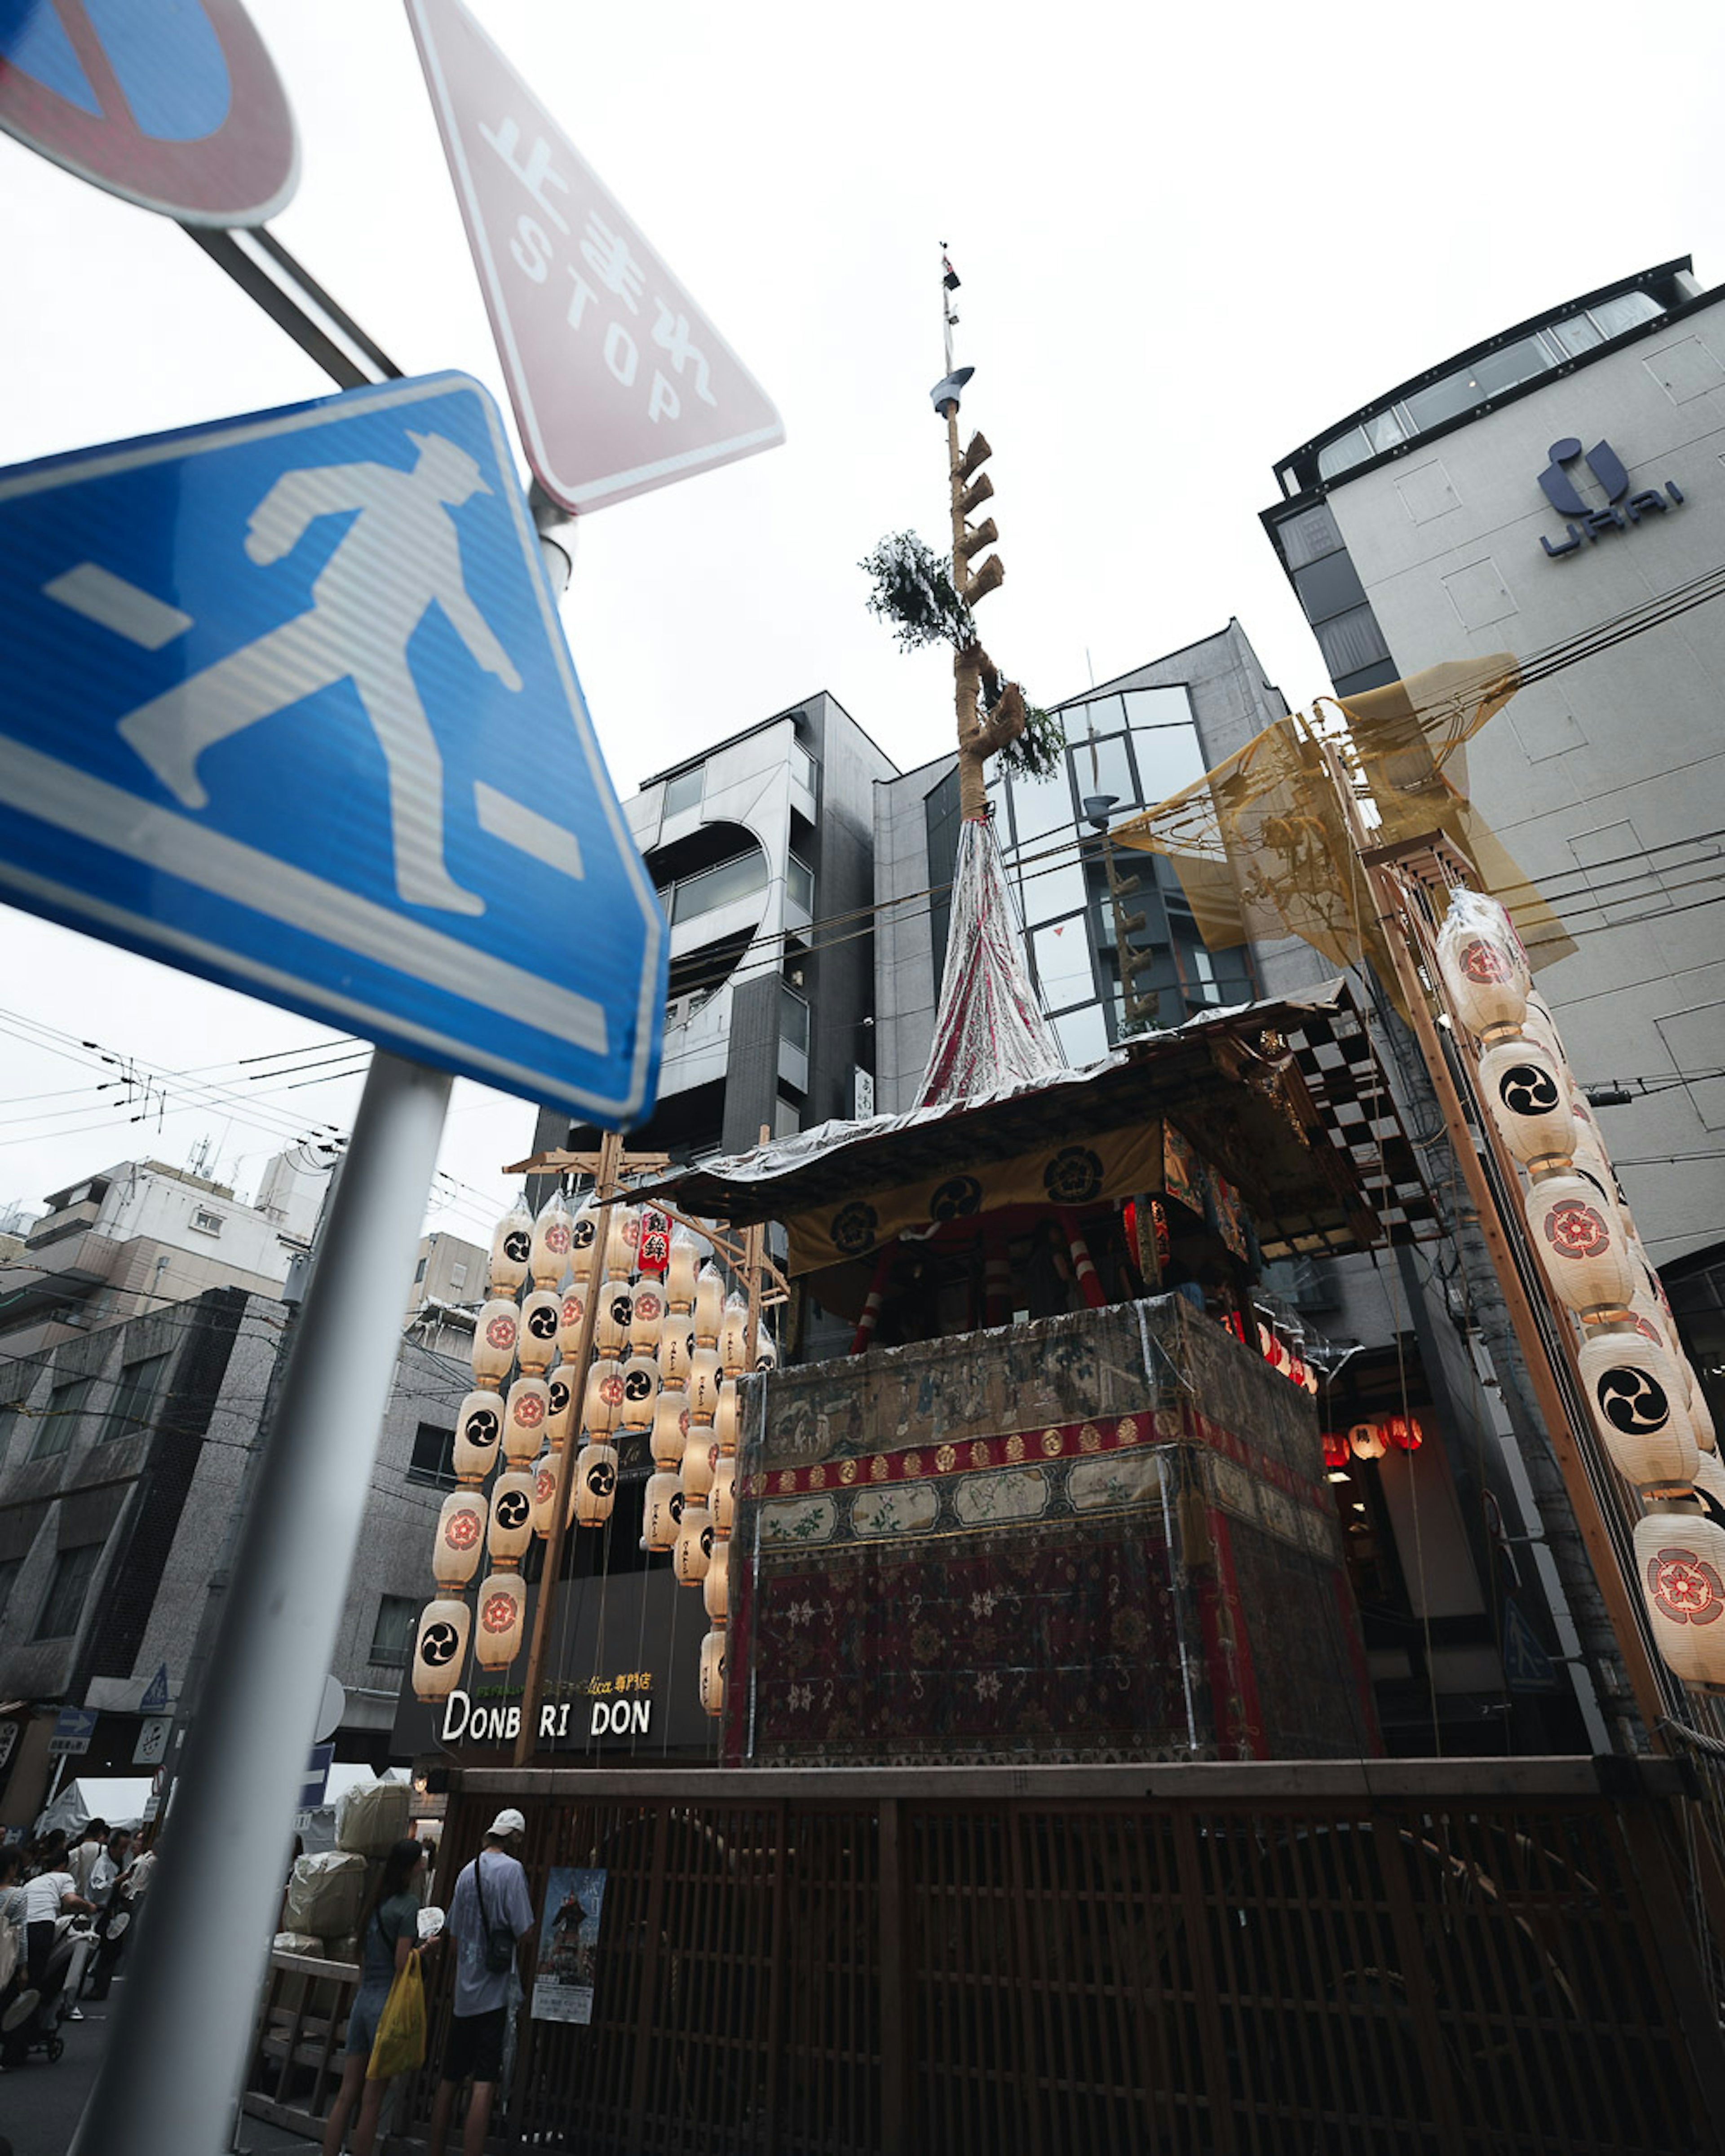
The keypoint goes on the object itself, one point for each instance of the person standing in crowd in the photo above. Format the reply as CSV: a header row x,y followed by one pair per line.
x,y
81,1860
388,1933
490,1915
114,1920
49,1896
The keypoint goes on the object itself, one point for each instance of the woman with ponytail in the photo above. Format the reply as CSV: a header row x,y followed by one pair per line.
x,y
389,1932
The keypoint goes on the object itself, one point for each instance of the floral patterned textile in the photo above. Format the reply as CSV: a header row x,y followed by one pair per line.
x,y
989,1030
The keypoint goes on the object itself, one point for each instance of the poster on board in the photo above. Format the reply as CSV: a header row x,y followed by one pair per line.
x,y
568,1944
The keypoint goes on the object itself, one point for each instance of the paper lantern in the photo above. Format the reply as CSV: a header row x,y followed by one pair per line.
x,y
679,1273
1580,1244
653,1243
1710,1486
525,1416
673,1354
603,1407
703,1383
694,1547
584,1242
610,1336
560,1406
1483,965
537,1345
1701,1415
1366,1441
440,1647
479,1425
716,1586
1679,1565
1636,1397
734,1336
708,1307
511,1249
511,1523
544,1471
553,1236
664,1513
1337,1452
727,1418
572,1311
460,1538
497,1634
670,1430
496,1331
766,1354
1402,1431
699,1456
1527,1093
595,1490
620,1240
722,1498
640,1388
646,1315
712,1674
1538,1023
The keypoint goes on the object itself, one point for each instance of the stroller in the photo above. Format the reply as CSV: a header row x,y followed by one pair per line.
x,y
30,2015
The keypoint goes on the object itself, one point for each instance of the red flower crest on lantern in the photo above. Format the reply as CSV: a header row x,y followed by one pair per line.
x,y
557,1238
1686,1587
631,1230
497,1612
648,1307
611,1391
500,1332
1577,1230
574,1309
545,1485
463,1530
1484,962
530,1411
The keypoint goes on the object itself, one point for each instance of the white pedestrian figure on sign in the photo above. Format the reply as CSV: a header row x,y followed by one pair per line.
x,y
401,555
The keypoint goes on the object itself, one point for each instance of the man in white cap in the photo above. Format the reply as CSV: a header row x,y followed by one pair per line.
x,y
490,1918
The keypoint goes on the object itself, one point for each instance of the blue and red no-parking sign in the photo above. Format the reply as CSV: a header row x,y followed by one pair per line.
x,y
174,105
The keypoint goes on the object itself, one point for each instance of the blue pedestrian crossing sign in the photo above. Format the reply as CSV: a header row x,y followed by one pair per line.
x,y
288,705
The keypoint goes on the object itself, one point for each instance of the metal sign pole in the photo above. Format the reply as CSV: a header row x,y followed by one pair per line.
x,y
166,2086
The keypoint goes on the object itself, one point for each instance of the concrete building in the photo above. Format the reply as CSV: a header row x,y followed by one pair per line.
x,y
1534,494
142,1234
123,1460
750,842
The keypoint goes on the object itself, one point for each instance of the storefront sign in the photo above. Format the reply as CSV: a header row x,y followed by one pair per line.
x,y
1607,468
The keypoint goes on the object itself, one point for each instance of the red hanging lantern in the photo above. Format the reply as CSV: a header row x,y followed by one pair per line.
x,y
1336,1450
1403,1431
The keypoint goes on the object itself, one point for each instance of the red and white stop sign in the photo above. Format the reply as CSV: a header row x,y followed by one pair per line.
x,y
619,382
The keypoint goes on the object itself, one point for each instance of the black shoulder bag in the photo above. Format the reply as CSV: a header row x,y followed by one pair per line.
x,y
500,1945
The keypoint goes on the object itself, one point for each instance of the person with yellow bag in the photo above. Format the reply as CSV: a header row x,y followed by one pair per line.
x,y
386,2024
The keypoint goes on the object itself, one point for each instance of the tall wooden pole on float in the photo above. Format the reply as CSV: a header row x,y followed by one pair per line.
x,y
990,713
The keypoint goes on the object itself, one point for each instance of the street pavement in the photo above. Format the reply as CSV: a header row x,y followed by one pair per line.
x,y
40,2105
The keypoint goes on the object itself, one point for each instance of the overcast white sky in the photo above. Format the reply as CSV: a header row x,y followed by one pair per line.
x,y
1189,239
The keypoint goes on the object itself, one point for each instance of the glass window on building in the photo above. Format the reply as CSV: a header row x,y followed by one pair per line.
x,y
1309,536
1083,1035
392,1635
802,766
1351,641
136,1395
60,1418
793,1019
683,790
68,1587
433,1461
1615,317
1061,952
722,885
1574,336
1169,760
1344,453
1040,806
1383,431
799,883
1171,706
1103,766
1048,888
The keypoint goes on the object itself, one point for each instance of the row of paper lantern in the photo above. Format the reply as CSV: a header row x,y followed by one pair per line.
x,y
668,1348
1644,1400
1372,1439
